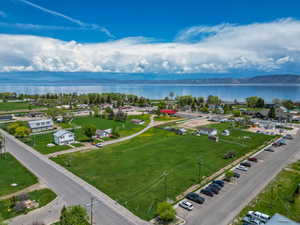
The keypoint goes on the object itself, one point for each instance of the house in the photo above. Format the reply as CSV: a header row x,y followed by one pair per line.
x,y
40,125
181,131
208,131
168,111
103,133
138,122
278,219
6,117
64,137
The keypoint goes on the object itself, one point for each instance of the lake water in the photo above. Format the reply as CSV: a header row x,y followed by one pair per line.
x,y
157,91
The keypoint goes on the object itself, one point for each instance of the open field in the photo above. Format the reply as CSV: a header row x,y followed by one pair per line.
x,y
13,172
279,196
6,106
43,197
131,172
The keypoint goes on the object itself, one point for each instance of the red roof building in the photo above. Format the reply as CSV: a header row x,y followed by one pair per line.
x,y
168,111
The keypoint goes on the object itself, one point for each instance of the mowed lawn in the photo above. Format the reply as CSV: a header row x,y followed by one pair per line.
x,y
125,128
6,106
13,172
279,196
131,172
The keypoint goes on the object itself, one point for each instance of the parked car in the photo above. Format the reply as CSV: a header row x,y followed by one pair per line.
x,y
195,198
219,182
99,145
216,186
251,221
207,192
236,175
288,136
246,164
213,189
186,205
242,168
269,150
258,215
276,144
253,159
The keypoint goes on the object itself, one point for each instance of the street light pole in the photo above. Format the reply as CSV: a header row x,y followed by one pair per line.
x,y
199,169
92,206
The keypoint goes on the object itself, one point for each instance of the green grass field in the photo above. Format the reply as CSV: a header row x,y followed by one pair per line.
x,y
13,172
43,197
279,196
6,106
131,172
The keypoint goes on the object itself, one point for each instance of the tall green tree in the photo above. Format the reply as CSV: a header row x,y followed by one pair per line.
x,y
89,130
272,113
165,211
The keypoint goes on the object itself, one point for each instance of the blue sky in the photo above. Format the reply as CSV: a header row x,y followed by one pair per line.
x,y
150,36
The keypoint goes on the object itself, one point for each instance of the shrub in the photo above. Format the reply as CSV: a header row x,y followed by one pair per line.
x,y
165,211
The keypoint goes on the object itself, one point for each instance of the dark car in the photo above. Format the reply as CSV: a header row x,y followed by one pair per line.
x,y
213,189
219,182
236,175
219,187
207,192
246,164
269,150
252,159
276,144
288,136
195,198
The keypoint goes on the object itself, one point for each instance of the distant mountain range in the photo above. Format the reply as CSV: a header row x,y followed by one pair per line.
x,y
265,79
77,78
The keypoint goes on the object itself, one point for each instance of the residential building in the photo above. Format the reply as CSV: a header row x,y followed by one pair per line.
x,y
64,137
6,117
278,219
103,133
40,125
138,122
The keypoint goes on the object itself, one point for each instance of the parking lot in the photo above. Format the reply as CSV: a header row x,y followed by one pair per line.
x,y
235,195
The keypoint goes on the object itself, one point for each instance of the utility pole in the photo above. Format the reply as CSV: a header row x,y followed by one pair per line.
x,y
165,174
92,208
2,146
199,169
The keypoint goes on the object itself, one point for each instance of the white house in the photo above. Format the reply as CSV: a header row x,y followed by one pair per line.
x,y
40,125
137,121
64,137
208,131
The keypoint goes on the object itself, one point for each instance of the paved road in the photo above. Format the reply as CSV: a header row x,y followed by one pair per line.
x,y
71,188
222,209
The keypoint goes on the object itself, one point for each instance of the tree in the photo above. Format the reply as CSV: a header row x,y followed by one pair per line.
x,y
214,100
287,104
74,215
22,131
115,132
260,103
2,220
252,101
236,113
228,175
89,130
165,211
272,113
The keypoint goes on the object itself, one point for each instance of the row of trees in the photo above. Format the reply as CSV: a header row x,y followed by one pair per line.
x,y
18,129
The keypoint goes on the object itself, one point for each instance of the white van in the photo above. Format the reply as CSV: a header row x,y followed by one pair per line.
x,y
258,215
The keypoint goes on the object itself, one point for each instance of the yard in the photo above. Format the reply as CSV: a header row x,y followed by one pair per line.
x,y
279,196
7,106
13,172
43,197
131,172
40,141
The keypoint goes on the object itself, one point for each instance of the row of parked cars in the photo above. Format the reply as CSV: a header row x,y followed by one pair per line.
x,y
256,218
212,189
215,186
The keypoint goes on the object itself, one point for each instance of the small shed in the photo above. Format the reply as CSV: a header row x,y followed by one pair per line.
x,y
208,131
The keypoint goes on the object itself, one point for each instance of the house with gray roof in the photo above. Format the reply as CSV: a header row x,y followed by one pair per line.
x,y
278,219
40,125
64,137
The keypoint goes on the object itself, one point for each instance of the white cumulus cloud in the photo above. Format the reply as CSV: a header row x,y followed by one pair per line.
x,y
224,48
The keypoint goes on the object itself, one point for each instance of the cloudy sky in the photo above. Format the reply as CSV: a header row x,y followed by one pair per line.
x,y
177,37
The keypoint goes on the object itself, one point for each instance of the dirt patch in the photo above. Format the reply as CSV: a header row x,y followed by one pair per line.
x,y
194,123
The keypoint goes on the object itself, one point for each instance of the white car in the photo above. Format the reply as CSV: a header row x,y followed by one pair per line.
x,y
258,215
99,145
242,168
186,205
